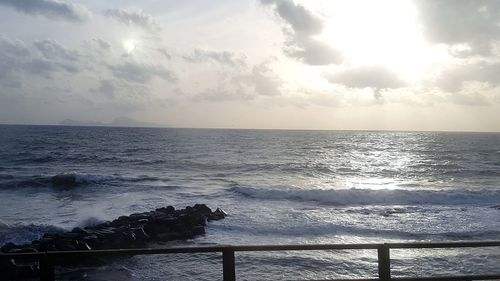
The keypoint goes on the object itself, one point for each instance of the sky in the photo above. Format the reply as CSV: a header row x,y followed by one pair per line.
x,y
269,64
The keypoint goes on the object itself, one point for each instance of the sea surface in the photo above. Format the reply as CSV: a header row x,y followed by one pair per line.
x,y
277,186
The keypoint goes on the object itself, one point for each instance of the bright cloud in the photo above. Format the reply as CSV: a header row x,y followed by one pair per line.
x,y
253,63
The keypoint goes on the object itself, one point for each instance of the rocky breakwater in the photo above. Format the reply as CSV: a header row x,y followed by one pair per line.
x,y
135,230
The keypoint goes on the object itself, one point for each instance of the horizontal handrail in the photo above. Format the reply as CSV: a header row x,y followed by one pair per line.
x,y
257,248
49,259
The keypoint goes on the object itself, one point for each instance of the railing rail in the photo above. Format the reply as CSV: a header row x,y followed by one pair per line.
x,y
48,260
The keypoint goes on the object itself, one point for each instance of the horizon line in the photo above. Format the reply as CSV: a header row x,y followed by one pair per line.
x,y
255,129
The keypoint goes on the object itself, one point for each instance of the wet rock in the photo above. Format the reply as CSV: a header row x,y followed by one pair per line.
x,y
79,231
217,215
135,230
202,208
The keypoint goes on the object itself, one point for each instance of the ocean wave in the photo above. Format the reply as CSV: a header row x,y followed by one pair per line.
x,y
357,196
73,179
319,230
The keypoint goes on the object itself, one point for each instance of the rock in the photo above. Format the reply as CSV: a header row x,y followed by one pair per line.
x,y
202,208
79,230
169,236
135,230
217,215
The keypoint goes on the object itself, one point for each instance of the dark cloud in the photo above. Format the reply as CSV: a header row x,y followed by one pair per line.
x,y
133,18
51,9
452,79
12,54
106,88
16,59
314,52
53,50
475,23
375,77
140,73
102,44
301,43
297,16
13,47
222,57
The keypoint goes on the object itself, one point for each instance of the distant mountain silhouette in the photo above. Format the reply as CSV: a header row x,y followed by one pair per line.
x,y
117,122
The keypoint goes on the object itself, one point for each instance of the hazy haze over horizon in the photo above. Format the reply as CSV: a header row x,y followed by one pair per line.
x,y
374,65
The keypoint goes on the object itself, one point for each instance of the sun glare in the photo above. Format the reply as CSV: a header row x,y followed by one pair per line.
x,y
380,33
130,45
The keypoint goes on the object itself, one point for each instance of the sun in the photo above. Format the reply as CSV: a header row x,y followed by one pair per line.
x,y
130,46
385,33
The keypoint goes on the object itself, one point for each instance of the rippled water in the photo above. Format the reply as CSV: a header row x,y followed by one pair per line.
x,y
277,186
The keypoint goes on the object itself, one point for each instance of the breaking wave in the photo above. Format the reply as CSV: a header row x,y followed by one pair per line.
x,y
72,179
355,196
318,230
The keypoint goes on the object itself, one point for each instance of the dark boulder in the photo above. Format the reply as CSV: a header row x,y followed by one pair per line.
x,y
135,230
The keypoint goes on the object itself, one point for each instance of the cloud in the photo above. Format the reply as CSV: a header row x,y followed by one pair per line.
x,y
11,54
140,73
475,23
452,79
106,88
220,94
133,18
301,43
257,81
100,44
375,77
261,80
53,50
19,61
9,47
222,57
164,53
469,99
46,68
314,52
297,16
52,9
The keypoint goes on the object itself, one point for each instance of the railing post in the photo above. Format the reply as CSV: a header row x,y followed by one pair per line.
x,y
384,263
46,268
228,266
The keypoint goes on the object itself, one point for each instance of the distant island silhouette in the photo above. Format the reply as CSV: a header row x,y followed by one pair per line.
x,y
117,122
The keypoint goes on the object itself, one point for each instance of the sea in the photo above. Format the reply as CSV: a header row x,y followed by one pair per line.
x,y
277,186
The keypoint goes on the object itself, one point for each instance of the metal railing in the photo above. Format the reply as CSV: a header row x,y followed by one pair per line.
x,y
48,260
